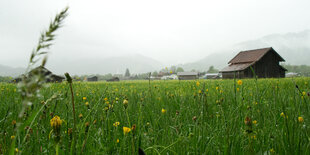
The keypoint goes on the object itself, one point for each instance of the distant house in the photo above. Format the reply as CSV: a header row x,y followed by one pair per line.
x,y
292,74
188,75
212,76
93,78
49,76
265,63
169,77
155,78
113,79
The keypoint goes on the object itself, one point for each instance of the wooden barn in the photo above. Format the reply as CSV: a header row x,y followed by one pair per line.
x,y
49,76
265,63
113,79
93,78
188,75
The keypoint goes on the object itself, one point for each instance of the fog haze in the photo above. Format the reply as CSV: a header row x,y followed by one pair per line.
x,y
168,31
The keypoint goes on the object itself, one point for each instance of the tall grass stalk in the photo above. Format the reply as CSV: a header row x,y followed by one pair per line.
x,y
31,84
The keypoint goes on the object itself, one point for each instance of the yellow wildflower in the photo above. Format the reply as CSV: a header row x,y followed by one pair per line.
x,y
126,130
80,115
16,149
125,102
199,91
284,115
254,122
272,150
239,82
12,137
303,93
14,122
217,88
163,110
117,140
207,90
253,137
197,83
238,89
56,122
116,124
300,119
105,99
86,103
84,98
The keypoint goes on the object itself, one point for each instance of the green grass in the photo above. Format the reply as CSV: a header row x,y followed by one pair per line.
x,y
199,118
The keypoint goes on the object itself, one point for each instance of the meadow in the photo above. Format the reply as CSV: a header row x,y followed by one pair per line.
x,y
264,116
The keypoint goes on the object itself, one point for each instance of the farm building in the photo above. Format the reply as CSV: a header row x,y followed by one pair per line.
x,y
155,78
169,77
113,79
188,75
93,78
264,62
212,76
50,77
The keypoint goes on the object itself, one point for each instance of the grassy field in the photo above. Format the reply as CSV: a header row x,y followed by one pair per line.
x,y
161,117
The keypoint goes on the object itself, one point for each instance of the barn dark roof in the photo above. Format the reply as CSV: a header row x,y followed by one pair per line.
x,y
252,55
236,67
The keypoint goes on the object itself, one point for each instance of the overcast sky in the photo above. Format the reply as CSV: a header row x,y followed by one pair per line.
x,y
170,31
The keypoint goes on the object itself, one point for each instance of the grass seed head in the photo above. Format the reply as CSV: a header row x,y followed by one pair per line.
x,y
247,121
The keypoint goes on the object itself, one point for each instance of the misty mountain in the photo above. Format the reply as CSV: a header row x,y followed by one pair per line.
x,y
136,63
10,71
293,47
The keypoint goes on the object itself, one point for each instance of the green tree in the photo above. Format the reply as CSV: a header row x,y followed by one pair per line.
x,y
212,70
179,69
127,73
155,73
